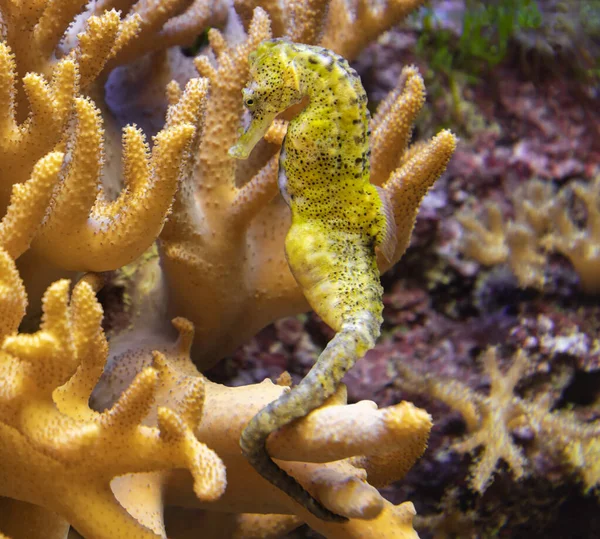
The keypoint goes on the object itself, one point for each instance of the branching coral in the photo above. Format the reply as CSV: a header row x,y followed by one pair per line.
x,y
486,243
84,230
227,228
543,222
160,24
580,245
488,419
491,419
28,204
50,436
223,264
345,26
49,104
33,32
57,452
332,452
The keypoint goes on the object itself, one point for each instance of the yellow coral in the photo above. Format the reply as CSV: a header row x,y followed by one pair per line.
x,y
488,418
23,143
486,243
580,246
228,227
525,258
392,127
491,419
58,453
350,28
158,25
333,452
575,443
542,224
28,204
344,26
59,456
34,121
84,231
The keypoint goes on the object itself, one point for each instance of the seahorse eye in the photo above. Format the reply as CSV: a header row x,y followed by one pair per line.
x,y
249,97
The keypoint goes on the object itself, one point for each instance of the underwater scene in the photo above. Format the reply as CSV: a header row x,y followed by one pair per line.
x,y
299,269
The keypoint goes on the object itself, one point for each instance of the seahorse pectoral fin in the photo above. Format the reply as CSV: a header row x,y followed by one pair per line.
x,y
255,131
290,77
389,239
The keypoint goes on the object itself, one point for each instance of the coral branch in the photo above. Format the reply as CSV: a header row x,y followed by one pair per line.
x,y
491,419
408,185
343,26
28,204
542,221
55,456
227,81
580,246
392,125
256,194
57,15
159,24
306,20
13,301
86,232
382,445
97,44
349,30
23,144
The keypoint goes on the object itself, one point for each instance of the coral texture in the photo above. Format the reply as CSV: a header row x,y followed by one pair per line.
x,y
42,111
228,227
491,421
81,193
59,454
543,223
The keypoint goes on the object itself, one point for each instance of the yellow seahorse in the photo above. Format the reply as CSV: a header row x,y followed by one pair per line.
x,y
338,218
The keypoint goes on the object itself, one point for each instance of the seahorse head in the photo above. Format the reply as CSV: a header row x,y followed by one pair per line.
x,y
273,87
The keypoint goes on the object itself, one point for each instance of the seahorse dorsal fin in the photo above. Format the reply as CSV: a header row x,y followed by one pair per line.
x,y
388,243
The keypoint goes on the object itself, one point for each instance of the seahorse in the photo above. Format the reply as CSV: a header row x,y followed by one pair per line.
x,y
338,218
